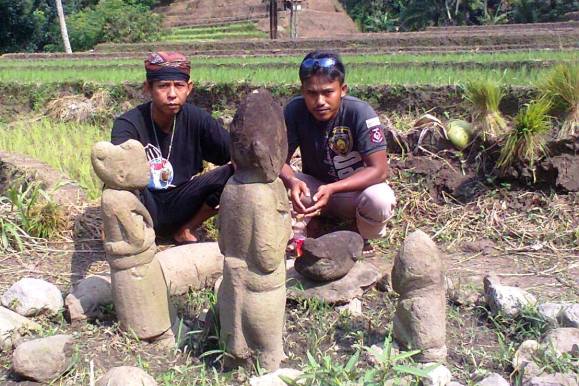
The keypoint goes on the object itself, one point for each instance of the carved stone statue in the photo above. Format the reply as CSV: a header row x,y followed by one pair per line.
x,y
254,228
139,288
420,318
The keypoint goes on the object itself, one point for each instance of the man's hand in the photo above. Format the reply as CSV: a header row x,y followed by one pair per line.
x,y
321,199
299,190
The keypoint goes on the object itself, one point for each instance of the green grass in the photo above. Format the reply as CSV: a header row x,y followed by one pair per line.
x,y
268,76
230,31
234,27
348,59
64,146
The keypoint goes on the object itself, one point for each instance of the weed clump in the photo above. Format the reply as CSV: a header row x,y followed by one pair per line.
x,y
561,88
485,97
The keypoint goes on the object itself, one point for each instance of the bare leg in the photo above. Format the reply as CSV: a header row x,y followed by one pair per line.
x,y
185,233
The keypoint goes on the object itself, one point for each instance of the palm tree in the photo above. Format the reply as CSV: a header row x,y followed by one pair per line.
x,y
63,29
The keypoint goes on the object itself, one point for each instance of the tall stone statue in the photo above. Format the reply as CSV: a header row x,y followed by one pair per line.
x,y
139,288
254,228
420,318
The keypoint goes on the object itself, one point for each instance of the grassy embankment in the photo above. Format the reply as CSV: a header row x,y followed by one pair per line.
x,y
229,31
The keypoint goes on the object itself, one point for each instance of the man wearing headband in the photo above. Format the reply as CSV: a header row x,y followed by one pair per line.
x,y
343,151
177,137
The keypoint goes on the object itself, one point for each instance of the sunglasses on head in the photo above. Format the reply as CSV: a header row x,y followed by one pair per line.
x,y
310,66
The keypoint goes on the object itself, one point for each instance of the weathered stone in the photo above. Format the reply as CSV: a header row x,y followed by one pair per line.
x,y
549,312
329,257
523,361
361,277
420,318
553,380
493,379
254,228
562,340
507,300
354,308
43,359
12,325
126,376
29,297
273,379
439,376
569,316
87,295
376,355
139,290
385,283
192,266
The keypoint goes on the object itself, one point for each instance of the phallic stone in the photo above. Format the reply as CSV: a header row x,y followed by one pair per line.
x,y
569,316
254,228
273,379
550,312
562,340
493,379
557,379
29,297
139,290
192,266
505,299
420,318
88,295
439,376
361,277
12,325
126,376
329,257
523,361
44,359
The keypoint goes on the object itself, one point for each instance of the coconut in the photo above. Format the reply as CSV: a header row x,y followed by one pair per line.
x,y
459,132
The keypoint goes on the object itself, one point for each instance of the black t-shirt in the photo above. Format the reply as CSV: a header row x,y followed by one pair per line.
x,y
197,137
333,150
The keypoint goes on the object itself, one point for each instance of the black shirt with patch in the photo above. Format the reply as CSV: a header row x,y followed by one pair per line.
x,y
198,137
333,150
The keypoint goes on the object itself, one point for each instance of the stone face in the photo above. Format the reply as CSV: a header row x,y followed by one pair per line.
x,y
493,379
254,228
505,299
569,316
126,376
44,359
192,266
273,379
258,138
362,276
562,340
553,380
329,257
30,297
11,327
139,290
439,376
420,318
87,295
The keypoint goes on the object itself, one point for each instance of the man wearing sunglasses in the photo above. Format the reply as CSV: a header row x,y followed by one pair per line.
x,y
343,151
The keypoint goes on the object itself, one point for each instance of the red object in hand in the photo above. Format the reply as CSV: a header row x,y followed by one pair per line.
x,y
299,244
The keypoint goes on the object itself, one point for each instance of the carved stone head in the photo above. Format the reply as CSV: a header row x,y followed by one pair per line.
x,y
258,138
121,167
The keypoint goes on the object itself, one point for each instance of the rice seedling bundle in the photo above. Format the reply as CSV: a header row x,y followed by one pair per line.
x,y
561,88
485,97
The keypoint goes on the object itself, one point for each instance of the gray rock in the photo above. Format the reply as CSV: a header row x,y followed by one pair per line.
x,y
553,380
569,316
43,359
342,291
562,340
375,354
126,376
550,312
30,297
273,379
354,308
87,295
439,376
523,361
330,256
12,325
493,379
505,299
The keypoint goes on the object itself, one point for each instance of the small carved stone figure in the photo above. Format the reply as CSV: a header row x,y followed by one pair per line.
x,y
254,228
420,319
139,288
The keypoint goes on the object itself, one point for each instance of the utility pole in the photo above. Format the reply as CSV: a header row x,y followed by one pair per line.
x,y
63,30
294,19
273,19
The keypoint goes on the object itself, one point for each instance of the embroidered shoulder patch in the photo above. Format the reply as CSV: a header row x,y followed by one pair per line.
x,y
376,135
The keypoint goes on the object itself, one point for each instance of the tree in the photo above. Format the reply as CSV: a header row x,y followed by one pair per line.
x,y
63,30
